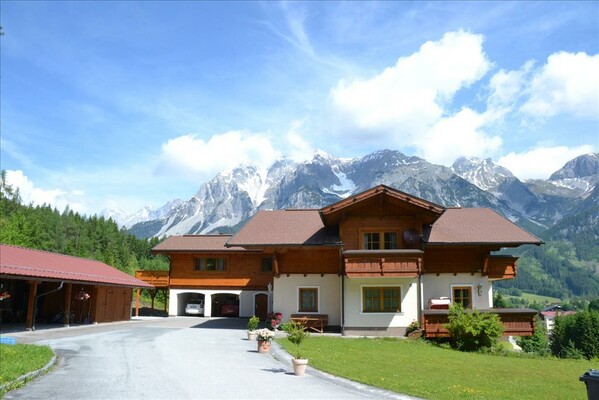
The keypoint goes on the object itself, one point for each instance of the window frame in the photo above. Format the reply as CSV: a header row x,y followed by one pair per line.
x,y
267,258
299,302
381,233
462,287
381,289
198,267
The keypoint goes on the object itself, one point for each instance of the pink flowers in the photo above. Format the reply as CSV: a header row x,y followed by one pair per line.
x,y
275,319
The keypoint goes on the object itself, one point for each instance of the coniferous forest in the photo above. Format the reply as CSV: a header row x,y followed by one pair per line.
x,y
68,232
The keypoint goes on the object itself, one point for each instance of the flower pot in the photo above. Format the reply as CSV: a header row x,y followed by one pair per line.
x,y
252,335
299,366
263,346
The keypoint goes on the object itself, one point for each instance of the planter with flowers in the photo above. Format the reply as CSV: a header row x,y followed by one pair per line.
x,y
275,319
264,338
252,326
296,333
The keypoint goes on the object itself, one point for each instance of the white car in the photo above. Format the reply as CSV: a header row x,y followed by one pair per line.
x,y
194,307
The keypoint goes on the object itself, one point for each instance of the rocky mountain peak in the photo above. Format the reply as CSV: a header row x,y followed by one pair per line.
x,y
483,173
579,167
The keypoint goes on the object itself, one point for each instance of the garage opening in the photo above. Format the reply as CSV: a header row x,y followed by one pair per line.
x,y
225,305
190,304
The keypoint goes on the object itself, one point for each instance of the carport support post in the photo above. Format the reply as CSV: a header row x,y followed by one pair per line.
x,y
153,296
66,319
137,302
31,305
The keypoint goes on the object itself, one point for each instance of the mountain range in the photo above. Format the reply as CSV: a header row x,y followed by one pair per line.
x,y
224,203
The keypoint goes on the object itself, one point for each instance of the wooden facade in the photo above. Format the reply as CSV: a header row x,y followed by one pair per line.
x,y
516,322
243,271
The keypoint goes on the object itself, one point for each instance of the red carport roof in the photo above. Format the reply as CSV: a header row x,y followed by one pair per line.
x,y
37,264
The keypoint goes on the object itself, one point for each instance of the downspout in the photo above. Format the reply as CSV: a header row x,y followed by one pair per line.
x,y
41,295
342,262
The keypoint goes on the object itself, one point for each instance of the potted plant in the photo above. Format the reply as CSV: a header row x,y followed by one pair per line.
x,y
264,336
252,326
275,320
296,333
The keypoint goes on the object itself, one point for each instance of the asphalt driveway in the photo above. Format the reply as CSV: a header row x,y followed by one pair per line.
x,y
174,358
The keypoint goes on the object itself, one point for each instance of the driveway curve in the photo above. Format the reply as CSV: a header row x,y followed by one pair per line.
x,y
174,358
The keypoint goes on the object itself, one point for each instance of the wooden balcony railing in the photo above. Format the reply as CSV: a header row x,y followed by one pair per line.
x,y
501,267
516,321
387,263
158,279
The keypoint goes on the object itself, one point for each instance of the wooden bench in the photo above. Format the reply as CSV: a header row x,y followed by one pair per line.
x,y
315,322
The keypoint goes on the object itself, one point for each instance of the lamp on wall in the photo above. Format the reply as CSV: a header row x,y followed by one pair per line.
x,y
479,289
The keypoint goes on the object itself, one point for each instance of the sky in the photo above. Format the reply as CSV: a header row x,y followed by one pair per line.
x,y
131,104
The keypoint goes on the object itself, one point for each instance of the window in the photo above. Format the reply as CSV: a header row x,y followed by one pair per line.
x,y
266,264
372,240
462,295
210,264
308,300
381,299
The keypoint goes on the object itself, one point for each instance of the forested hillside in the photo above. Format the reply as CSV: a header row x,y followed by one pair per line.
x,y
68,232
554,269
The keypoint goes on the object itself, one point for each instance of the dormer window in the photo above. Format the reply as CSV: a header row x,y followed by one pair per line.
x,y
379,240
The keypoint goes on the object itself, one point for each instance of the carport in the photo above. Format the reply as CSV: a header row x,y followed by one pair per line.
x,y
48,287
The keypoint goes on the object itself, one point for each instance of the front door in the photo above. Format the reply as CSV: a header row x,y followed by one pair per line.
x,y
261,306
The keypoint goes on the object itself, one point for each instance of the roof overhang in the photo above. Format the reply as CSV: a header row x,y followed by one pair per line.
x,y
333,213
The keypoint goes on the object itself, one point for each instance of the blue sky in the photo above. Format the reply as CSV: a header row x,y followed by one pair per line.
x,y
126,104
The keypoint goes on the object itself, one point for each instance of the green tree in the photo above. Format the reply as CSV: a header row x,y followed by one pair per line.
x,y
537,343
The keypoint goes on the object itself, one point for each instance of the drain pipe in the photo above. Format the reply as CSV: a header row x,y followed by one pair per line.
x,y
41,295
342,262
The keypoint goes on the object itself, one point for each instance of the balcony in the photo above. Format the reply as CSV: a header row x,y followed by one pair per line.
x,y
382,263
500,267
516,321
158,279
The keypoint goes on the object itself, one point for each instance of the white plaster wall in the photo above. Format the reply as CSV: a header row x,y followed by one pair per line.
x,y
354,317
285,293
246,300
440,286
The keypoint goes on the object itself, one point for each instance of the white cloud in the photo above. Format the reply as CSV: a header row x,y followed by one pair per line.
x,y
407,103
57,198
541,162
197,159
409,96
458,135
567,84
507,87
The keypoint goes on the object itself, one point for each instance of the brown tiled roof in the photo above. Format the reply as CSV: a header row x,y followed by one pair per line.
x,y
477,226
194,243
285,228
22,262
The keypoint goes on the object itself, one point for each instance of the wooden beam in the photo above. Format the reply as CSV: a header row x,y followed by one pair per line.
x,y
138,295
31,304
276,264
68,292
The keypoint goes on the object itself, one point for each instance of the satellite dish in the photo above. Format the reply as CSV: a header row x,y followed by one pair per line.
x,y
411,237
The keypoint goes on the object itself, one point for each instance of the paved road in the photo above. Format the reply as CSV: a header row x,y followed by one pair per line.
x,y
174,358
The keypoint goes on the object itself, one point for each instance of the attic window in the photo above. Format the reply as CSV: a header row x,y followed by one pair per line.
x,y
379,240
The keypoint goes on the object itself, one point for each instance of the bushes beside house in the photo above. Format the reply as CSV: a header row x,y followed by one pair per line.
x,y
576,336
471,330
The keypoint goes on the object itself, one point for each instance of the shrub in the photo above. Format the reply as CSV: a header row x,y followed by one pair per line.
x,y
471,330
538,343
296,333
253,323
414,326
575,335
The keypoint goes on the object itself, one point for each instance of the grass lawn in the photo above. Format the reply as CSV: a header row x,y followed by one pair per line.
x,y
19,359
421,369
